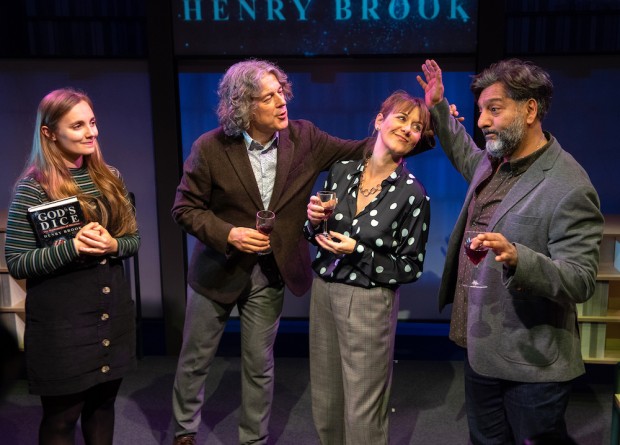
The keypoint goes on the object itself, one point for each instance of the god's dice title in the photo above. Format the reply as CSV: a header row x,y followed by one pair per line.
x,y
56,222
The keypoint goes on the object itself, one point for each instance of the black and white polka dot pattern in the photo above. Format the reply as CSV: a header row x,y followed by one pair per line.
x,y
391,232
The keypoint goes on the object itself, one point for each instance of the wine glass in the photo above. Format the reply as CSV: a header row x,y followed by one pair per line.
x,y
328,201
475,255
265,220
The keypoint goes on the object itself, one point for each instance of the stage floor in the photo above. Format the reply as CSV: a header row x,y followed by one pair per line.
x,y
426,406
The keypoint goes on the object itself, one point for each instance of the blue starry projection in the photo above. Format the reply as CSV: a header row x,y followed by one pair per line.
x,y
324,27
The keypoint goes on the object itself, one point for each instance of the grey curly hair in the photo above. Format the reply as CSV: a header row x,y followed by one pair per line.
x,y
238,89
522,80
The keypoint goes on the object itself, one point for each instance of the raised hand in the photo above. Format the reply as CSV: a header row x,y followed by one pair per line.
x,y
433,84
433,87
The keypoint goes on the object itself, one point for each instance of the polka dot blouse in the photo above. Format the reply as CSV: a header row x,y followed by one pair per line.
x,y
391,232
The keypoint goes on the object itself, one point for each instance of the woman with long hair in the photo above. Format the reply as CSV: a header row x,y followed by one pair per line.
x,y
79,338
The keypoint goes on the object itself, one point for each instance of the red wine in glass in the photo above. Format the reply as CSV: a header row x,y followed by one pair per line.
x,y
328,201
328,211
265,229
475,255
265,220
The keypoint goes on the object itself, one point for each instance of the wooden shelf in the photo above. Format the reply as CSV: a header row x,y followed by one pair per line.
x,y
607,360
612,316
19,308
12,292
611,353
612,225
599,317
607,272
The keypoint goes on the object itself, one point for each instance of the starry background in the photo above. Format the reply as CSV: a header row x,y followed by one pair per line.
x,y
392,27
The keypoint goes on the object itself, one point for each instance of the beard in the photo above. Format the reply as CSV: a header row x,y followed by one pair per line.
x,y
507,140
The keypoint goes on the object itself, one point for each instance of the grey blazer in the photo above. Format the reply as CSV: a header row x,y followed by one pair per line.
x,y
523,327
218,191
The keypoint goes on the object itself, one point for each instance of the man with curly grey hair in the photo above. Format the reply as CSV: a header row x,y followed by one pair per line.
x,y
257,159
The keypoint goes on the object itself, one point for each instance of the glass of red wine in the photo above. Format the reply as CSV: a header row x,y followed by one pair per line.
x,y
475,251
328,201
265,220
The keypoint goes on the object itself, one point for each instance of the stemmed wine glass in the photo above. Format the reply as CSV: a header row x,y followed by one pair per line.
x,y
328,201
475,255
265,220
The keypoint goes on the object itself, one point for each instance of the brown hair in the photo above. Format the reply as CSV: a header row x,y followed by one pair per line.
x,y
113,210
402,101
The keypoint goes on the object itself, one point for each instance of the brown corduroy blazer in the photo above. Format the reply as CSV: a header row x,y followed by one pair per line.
x,y
218,191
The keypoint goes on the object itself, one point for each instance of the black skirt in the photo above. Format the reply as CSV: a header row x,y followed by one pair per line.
x,y
80,328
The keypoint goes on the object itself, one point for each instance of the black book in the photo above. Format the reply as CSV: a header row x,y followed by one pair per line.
x,y
56,222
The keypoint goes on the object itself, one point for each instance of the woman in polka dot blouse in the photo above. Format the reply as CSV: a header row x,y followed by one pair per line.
x,y
377,241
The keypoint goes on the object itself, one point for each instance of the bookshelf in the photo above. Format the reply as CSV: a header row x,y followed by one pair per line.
x,y
599,317
12,293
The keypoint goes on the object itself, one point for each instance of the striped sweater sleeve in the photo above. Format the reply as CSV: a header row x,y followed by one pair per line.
x,y
24,258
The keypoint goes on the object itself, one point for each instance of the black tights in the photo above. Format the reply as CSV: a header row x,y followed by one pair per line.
x,y
96,408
